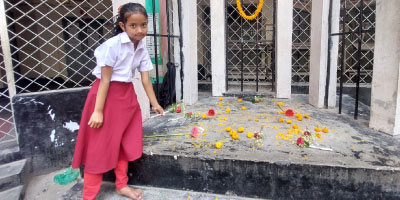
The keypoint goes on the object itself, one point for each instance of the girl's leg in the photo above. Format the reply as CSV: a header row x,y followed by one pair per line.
x,y
91,185
121,181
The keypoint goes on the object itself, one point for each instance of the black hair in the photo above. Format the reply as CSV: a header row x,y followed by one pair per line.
x,y
126,11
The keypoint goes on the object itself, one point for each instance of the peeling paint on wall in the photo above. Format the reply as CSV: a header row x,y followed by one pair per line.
x,y
52,136
72,126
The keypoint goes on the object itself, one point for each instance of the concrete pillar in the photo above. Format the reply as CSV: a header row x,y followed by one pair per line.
x,y
318,53
218,47
137,82
5,45
177,51
283,43
385,100
189,49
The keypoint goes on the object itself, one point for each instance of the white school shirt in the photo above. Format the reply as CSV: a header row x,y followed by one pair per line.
x,y
118,52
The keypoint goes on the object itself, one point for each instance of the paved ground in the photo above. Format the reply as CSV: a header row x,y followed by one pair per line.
x,y
348,143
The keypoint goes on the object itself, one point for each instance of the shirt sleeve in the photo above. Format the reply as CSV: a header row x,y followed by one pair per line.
x,y
145,64
106,55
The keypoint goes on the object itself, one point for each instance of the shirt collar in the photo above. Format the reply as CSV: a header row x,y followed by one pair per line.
x,y
125,39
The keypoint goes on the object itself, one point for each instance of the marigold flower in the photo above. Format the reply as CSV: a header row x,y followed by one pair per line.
x,y
211,112
235,136
280,104
281,112
318,135
299,115
306,116
227,110
249,134
218,145
203,116
325,130
317,129
240,129
281,120
295,126
289,113
232,132
228,129
240,100
243,107
300,118
256,119
221,98
289,121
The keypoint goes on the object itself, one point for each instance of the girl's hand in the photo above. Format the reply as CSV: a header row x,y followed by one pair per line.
x,y
158,109
96,120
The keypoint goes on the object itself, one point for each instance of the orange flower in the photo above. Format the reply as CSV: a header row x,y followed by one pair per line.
x,y
228,129
281,120
317,129
325,130
240,129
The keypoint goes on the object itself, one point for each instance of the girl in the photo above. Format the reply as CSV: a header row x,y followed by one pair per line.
x,y
110,134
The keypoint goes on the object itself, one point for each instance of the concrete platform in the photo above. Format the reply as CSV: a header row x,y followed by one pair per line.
x,y
362,164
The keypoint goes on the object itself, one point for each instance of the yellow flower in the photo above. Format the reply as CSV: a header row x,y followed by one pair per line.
x,y
224,119
325,130
289,121
228,110
306,116
218,145
280,104
281,120
317,129
249,134
232,132
295,126
318,135
204,134
243,107
298,115
256,120
240,129
235,136
221,98
300,118
281,112
240,100
203,116
228,129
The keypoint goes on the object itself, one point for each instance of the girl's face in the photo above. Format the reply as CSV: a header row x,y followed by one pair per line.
x,y
135,27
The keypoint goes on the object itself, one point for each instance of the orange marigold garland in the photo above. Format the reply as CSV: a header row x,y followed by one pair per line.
x,y
251,17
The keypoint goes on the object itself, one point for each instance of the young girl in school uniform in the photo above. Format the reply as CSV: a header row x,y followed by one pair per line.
x,y
110,133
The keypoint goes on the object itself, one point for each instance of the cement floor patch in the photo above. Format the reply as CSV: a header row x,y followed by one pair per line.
x,y
349,143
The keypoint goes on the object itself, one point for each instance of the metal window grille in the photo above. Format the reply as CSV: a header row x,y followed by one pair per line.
x,y
203,41
301,41
250,45
352,12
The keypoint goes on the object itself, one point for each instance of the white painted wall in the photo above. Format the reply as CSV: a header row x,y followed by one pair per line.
x,y
385,100
283,43
189,49
218,47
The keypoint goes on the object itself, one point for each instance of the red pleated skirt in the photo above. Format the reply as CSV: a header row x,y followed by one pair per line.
x,y
119,138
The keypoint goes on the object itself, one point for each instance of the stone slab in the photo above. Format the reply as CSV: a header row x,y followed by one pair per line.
x,y
15,193
12,174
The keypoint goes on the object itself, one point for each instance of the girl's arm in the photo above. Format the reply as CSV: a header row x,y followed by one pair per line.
x,y
96,120
148,87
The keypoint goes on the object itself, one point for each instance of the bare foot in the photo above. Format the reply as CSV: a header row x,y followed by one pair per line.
x,y
135,194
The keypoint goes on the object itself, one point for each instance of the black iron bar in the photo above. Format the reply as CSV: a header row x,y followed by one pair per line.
x,y
273,46
257,58
350,32
328,64
171,76
359,58
241,46
155,47
342,58
180,44
161,35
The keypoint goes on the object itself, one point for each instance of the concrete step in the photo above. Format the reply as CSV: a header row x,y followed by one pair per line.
x,y
14,193
10,154
12,174
107,192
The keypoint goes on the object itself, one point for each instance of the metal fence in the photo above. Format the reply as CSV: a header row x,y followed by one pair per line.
x,y
301,41
52,45
250,45
203,41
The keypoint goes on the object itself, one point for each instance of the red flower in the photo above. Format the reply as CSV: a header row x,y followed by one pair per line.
x,y
195,132
178,109
300,141
307,133
256,135
289,113
211,112
190,113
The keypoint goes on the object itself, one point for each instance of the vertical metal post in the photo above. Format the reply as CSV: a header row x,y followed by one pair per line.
x,y
180,43
5,44
257,57
273,46
328,66
155,46
171,76
168,31
241,46
359,57
342,58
